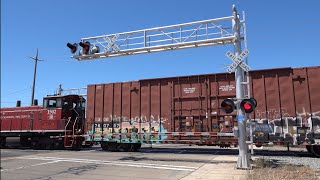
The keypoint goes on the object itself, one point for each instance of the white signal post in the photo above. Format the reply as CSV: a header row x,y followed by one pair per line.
x,y
188,35
243,158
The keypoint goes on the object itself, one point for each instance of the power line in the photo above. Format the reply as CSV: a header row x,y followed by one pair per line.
x,y
18,91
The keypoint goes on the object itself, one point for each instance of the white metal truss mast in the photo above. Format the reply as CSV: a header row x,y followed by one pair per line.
x,y
210,32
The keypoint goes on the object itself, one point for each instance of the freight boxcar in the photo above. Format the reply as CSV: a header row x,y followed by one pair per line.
x,y
37,125
187,109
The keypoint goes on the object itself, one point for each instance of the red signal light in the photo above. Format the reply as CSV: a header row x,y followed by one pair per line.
x,y
248,105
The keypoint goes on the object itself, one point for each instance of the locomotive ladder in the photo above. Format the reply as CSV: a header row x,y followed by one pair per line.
x,y
67,138
66,133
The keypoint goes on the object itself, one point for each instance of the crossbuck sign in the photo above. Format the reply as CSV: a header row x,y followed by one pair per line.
x,y
238,61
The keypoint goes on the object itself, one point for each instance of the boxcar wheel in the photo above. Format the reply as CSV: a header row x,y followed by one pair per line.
x,y
58,145
35,145
315,149
77,146
24,142
3,142
308,147
121,147
104,146
48,146
136,147
113,146
125,147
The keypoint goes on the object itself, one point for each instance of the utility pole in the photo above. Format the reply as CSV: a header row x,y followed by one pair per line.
x,y
243,158
34,76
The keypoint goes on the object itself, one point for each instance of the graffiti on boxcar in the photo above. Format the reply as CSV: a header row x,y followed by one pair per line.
x,y
284,125
277,124
285,119
136,119
123,124
271,114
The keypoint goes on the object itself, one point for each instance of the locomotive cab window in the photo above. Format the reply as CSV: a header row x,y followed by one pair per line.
x,y
75,104
52,103
65,104
45,101
59,105
83,103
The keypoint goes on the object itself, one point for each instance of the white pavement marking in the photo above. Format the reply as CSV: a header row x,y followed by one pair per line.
x,y
88,151
22,167
116,163
155,145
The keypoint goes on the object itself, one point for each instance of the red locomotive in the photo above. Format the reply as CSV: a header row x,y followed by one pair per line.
x,y
37,126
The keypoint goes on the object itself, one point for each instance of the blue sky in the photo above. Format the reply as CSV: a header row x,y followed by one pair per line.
x,y
280,34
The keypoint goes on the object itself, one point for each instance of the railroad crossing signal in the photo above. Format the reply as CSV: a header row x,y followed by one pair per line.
x,y
238,60
85,47
228,106
247,105
73,47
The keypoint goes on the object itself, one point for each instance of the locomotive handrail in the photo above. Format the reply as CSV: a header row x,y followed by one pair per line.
x,y
75,111
65,128
74,123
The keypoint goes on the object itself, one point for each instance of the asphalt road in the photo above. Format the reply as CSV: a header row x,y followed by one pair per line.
x,y
158,162
165,162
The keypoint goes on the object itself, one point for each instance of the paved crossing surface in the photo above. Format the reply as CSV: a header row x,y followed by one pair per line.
x,y
159,162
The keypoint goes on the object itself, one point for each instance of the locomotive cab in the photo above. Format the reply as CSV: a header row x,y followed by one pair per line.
x,y
69,111
71,105
71,108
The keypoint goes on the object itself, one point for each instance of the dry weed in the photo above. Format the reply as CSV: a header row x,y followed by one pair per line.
x,y
266,170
